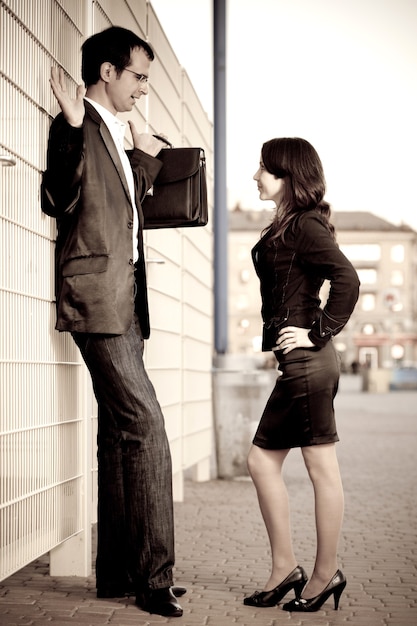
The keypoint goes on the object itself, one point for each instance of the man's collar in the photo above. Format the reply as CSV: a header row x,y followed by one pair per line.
x,y
106,115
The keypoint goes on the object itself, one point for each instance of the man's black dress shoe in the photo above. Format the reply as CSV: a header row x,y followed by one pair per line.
x,y
160,602
112,591
178,591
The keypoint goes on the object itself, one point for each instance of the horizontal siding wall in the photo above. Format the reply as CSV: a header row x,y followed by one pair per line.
x,y
42,438
48,424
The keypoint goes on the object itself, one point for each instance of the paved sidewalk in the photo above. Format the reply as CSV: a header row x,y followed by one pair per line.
x,y
222,550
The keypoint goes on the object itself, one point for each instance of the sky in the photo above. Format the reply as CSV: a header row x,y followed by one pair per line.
x,y
340,73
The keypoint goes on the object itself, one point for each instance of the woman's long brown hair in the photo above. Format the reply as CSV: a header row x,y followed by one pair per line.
x,y
297,162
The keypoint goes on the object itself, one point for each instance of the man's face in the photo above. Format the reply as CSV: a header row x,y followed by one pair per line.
x,y
123,90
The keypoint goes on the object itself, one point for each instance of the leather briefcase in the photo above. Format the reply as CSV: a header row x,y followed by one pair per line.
x,y
178,197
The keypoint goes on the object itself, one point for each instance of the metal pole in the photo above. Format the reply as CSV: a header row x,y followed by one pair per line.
x,y
220,184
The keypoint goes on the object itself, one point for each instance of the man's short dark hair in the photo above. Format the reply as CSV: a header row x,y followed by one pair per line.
x,y
113,45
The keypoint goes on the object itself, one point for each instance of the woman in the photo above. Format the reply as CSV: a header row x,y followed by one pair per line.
x,y
292,259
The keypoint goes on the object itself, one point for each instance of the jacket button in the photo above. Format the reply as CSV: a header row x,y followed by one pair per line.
x,y
131,262
130,224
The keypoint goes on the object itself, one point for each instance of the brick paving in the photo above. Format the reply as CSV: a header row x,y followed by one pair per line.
x,y
222,550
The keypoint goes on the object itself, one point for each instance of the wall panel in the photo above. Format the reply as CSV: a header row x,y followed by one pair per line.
x,y
43,429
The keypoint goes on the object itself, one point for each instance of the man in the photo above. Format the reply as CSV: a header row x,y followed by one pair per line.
x,y
94,189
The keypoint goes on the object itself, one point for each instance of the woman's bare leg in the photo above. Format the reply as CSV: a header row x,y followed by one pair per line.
x,y
323,468
265,468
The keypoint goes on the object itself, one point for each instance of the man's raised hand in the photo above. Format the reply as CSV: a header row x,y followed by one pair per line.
x,y
73,109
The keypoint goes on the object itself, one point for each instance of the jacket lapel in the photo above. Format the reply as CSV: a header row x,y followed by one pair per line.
x,y
110,145
108,140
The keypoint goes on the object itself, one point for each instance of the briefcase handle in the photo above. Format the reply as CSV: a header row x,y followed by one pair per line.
x,y
164,139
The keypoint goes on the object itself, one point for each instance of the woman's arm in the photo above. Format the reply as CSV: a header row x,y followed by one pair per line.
x,y
316,249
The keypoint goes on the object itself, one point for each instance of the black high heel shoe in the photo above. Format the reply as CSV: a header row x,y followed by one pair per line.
x,y
335,588
296,580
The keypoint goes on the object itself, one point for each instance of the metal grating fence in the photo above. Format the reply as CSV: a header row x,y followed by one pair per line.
x,y
43,467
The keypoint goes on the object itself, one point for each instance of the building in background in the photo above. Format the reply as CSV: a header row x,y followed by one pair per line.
x,y
382,332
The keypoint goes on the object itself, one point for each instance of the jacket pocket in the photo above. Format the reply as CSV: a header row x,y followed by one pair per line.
x,y
85,265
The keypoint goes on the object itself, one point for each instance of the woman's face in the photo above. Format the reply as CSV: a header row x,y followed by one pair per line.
x,y
269,186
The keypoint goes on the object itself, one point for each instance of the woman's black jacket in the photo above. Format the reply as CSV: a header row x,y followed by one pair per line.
x,y
291,275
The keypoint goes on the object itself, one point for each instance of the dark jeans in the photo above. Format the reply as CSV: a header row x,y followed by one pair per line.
x,y
135,509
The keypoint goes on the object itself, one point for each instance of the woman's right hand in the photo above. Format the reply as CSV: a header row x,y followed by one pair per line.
x,y
73,109
292,337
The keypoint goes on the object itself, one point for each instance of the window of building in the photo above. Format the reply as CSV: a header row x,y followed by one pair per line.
x,y
367,276
244,275
367,302
397,278
242,253
242,326
257,343
397,351
391,298
368,329
362,252
397,253
242,302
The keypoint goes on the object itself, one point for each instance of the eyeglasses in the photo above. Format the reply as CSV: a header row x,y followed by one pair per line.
x,y
141,78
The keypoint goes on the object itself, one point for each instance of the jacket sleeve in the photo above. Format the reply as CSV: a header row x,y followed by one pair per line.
x,y
321,255
60,187
145,169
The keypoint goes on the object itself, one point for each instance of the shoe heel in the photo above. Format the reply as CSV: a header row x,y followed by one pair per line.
x,y
337,593
298,588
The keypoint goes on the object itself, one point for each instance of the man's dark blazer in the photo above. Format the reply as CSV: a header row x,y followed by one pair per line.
x,y
85,189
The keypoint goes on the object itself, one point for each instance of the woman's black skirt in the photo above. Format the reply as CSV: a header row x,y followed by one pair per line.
x,y
300,410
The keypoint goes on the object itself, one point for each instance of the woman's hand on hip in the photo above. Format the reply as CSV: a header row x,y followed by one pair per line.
x,y
292,337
